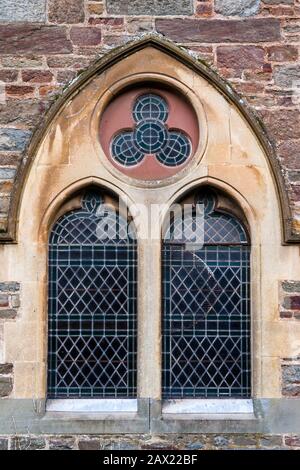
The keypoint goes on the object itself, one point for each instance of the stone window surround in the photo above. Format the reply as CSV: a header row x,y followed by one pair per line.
x,y
47,207
201,409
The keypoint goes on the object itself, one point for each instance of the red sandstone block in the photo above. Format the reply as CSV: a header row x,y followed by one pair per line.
x,y
8,75
37,76
282,53
283,124
85,36
47,90
66,11
216,30
34,39
204,9
240,57
19,91
292,441
107,21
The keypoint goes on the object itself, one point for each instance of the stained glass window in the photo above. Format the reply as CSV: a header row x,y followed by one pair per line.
x,y
92,304
151,136
206,308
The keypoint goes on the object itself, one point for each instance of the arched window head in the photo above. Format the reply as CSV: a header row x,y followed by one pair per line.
x,y
149,133
206,303
92,302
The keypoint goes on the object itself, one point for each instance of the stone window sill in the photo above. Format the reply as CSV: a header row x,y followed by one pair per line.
x,y
107,406
209,409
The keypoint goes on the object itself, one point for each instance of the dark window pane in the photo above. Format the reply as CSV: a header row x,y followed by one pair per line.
x,y
92,307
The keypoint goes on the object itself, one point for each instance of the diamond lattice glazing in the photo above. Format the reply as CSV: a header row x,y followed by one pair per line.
x,y
92,304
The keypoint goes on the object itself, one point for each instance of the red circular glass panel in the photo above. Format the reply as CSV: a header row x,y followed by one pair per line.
x,y
149,133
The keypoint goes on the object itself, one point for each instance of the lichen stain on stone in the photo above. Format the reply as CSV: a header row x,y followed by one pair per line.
x,y
258,175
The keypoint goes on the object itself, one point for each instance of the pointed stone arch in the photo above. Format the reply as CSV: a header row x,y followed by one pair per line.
x,y
195,65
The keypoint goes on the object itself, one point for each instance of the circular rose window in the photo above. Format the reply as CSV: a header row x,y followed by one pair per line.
x,y
149,133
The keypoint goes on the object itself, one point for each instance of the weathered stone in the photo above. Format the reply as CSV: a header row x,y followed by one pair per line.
x,y
279,2
65,76
294,177
291,373
4,204
68,11
240,57
15,301
9,159
3,443
8,314
20,62
3,223
3,303
217,30
295,302
32,38
291,286
6,386
109,23
37,76
6,174
149,7
8,75
244,440
95,8
22,10
289,151
270,441
68,62
85,36
286,314
19,91
9,286
284,125
122,445
221,441
237,7
291,380
283,53
6,186
61,443
13,139
6,368
292,302
287,76
292,441
204,9
26,112
91,444
195,445
28,443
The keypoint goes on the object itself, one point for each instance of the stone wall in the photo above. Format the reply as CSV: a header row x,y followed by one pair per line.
x,y
9,306
147,442
44,44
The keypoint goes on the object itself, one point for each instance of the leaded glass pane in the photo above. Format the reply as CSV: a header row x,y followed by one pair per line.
x,y
92,305
150,106
151,136
206,319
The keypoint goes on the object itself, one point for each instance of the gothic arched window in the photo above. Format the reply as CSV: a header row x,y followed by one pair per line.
x,y
206,304
92,303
